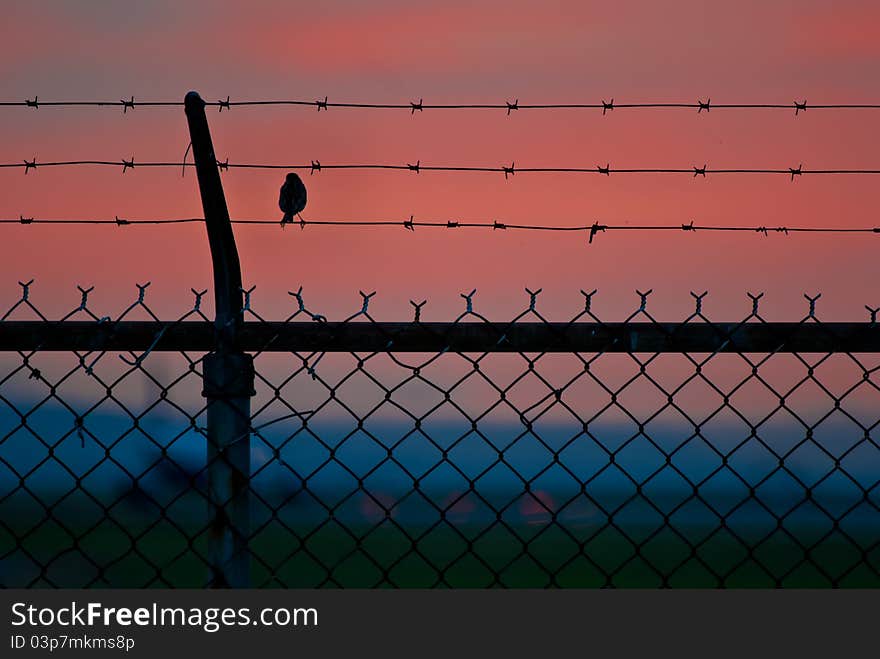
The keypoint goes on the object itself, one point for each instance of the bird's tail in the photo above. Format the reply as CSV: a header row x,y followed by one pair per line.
x,y
287,219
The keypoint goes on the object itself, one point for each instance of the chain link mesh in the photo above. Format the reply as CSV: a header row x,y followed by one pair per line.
x,y
449,469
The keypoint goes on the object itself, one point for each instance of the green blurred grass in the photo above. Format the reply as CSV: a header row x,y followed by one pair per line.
x,y
385,556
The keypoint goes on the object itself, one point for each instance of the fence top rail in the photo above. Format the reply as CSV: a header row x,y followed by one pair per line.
x,y
416,336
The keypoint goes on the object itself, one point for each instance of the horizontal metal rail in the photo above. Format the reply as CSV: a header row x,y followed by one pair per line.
x,y
531,337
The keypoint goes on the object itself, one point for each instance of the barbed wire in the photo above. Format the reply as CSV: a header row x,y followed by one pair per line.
x,y
418,167
412,106
412,224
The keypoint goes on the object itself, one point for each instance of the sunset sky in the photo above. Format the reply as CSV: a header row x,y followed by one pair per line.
x,y
480,52
720,465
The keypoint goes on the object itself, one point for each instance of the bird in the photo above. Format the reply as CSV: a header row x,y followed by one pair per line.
x,y
293,197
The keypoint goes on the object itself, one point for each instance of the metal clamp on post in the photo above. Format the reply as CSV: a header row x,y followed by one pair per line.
x,y
228,376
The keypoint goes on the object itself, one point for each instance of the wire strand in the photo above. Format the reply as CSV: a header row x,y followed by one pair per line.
x,y
507,171
495,225
411,106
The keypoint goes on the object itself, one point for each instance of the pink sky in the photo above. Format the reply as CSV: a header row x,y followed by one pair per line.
x,y
450,52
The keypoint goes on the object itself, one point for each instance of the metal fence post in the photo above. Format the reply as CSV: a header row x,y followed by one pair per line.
x,y
228,375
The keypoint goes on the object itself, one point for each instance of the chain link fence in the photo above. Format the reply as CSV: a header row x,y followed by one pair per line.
x,y
508,455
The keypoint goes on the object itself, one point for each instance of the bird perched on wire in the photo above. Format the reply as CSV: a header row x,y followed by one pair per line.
x,y
293,197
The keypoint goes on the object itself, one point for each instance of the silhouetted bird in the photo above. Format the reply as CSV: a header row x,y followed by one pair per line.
x,y
293,197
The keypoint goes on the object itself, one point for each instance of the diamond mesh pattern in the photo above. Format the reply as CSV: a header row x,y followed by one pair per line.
x,y
450,469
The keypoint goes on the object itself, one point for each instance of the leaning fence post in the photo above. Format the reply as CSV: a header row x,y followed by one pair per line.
x,y
228,375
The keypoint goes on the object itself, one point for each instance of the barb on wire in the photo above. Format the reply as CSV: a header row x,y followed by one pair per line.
x,y
594,229
418,310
